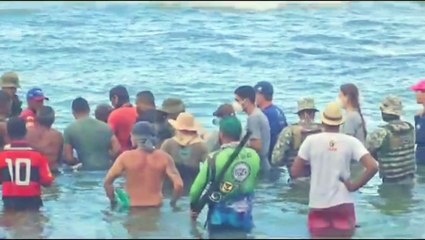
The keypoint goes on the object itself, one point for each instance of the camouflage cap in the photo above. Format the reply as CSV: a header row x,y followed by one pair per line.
x,y
173,106
306,104
10,79
392,105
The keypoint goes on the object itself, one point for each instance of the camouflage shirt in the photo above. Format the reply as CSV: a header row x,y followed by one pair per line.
x,y
283,144
375,139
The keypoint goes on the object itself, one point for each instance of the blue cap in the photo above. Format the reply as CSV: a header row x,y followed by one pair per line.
x,y
36,94
143,129
264,88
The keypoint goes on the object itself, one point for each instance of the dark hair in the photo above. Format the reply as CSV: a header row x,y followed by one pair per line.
x,y
16,128
45,116
146,97
352,92
4,98
121,92
246,92
102,112
80,105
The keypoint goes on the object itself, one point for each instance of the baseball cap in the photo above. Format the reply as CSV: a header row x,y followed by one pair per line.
x,y
224,110
231,126
143,128
36,94
10,79
419,87
264,87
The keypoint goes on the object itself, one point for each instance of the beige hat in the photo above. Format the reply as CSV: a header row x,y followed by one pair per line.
x,y
10,79
306,104
184,122
332,115
392,105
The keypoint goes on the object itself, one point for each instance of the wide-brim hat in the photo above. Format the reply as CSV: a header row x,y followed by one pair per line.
x,y
392,105
306,104
10,80
172,106
184,122
332,115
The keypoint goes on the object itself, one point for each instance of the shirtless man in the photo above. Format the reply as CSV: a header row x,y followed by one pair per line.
x,y
145,168
5,109
43,138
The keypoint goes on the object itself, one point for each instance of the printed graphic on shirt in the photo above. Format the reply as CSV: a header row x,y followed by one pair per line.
x,y
241,172
332,147
226,187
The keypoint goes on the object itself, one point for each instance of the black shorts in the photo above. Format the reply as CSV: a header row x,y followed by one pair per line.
x,y
22,203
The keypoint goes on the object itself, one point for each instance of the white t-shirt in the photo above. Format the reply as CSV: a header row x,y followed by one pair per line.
x,y
330,155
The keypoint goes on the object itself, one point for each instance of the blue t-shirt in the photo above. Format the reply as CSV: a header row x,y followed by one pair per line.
x,y
277,122
420,139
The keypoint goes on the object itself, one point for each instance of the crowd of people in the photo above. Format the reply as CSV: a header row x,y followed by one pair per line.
x,y
146,144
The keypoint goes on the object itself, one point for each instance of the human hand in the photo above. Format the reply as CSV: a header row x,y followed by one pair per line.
x,y
194,215
351,187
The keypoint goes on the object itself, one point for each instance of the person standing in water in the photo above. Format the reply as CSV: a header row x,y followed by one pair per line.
x,y
231,216
329,154
123,117
22,170
45,139
291,138
10,84
35,100
354,124
419,89
93,140
223,111
186,147
102,112
393,144
257,124
145,169
5,108
275,115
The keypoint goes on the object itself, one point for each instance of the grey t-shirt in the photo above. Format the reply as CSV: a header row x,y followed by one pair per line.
x,y
353,126
259,126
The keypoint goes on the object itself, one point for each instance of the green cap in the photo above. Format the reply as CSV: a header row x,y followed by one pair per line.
x,y
173,106
392,105
306,104
10,79
231,126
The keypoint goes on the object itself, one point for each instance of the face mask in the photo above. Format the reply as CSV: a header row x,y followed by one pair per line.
x,y
216,121
237,107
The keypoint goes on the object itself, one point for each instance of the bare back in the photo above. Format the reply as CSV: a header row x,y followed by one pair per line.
x,y
47,141
145,173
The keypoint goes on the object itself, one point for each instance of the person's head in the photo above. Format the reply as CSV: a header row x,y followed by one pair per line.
x,y
173,107
5,103
80,107
391,108
118,96
185,124
223,111
419,89
230,130
16,129
349,98
244,98
36,98
10,83
143,136
102,112
264,93
306,109
45,116
332,117
145,101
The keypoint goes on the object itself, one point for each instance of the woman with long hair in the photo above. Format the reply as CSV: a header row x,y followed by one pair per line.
x,y
354,124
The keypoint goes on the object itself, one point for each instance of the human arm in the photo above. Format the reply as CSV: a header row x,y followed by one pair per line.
x,y
113,120
361,154
282,146
115,149
297,169
254,127
68,150
114,172
174,175
374,140
46,177
198,186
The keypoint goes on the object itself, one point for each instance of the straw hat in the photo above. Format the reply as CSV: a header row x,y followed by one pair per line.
x,y
332,115
184,122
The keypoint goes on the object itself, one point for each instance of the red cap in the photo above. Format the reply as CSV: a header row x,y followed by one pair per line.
x,y
419,87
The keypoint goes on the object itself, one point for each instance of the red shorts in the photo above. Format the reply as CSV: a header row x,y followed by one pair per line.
x,y
338,221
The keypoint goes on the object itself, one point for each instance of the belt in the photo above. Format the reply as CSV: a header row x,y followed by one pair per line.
x,y
398,179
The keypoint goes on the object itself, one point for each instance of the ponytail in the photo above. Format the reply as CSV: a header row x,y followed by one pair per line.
x,y
363,121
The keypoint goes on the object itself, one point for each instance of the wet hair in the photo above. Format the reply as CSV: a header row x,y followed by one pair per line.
x,y
146,97
121,92
5,99
102,112
246,92
16,128
80,105
352,92
45,116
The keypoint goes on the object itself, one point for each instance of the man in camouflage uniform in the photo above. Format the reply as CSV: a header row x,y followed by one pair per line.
x,y
393,144
291,137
